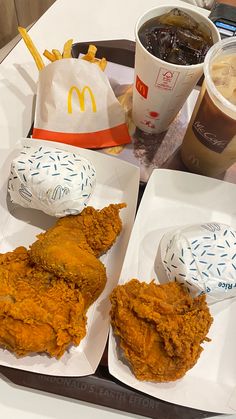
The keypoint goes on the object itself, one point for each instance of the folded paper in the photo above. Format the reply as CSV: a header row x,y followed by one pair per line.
x,y
76,105
203,258
52,180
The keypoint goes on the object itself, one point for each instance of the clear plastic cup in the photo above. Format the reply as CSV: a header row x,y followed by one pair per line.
x,y
161,88
209,145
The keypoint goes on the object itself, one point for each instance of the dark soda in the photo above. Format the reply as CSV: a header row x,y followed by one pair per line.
x,y
176,37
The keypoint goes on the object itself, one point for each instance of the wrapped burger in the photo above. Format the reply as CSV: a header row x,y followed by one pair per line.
x,y
52,180
202,257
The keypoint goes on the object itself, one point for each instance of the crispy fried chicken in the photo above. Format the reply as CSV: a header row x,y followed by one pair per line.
x,y
46,291
38,312
160,327
71,248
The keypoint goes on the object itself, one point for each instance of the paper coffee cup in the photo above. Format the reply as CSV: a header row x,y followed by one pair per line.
x,y
161,88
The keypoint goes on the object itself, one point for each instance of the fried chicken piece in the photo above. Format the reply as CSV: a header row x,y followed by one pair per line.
x,y
62,252
161,328
38,312
100,227
70,248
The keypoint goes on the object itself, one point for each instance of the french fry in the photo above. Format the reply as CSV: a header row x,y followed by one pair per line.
x,y
57,54
90,56
32,48
49,55
102,63
67,49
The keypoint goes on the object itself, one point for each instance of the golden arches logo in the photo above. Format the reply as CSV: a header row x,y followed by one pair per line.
x,y
141,87
81,97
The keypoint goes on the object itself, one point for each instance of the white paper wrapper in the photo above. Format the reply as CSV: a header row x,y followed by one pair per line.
x,y
76,105
203,257
51,180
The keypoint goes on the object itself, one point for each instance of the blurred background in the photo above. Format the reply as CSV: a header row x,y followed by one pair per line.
x,y
15,13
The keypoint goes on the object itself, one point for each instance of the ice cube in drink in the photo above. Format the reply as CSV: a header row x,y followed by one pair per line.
x,y
176,37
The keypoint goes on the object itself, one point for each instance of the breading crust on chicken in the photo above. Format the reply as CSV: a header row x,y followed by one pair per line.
x,y
160,328
100,227
61,251
71,248
46,291
38,312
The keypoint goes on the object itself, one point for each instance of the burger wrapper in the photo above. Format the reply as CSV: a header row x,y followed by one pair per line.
x,y
203,258
54,181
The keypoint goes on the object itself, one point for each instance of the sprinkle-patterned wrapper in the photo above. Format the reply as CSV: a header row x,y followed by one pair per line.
x,y
203,258
52,180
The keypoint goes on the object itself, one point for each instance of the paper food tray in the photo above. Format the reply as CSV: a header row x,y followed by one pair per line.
x,y
173,199
117,181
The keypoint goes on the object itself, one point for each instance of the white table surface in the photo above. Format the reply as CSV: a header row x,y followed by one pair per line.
x,y
82,21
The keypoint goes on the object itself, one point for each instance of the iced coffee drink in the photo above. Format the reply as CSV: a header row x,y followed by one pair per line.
x,y
209,145
223,74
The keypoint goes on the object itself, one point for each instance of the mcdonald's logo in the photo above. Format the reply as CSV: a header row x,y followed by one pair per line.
x,y
141,87
81,98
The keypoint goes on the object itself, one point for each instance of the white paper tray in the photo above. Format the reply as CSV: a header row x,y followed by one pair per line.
x,y
117,181
171,199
